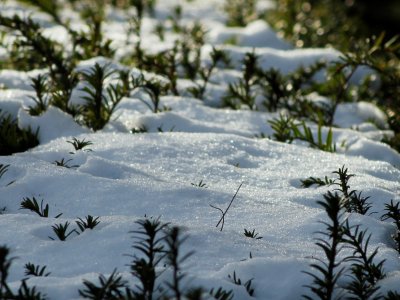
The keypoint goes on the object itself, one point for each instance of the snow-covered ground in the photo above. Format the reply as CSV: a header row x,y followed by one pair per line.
x,y
128,176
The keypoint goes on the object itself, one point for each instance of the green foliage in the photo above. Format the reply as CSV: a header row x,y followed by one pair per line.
x,y
221,294
279,91
204,72
290,91
80,144
164,63
12,138
46,51
35,270
286,130
175,18
383,56
201,184
316,23
252,234
174,260
90,222
247,284
24,291
353,202
154,88
192,40
330,23
155,242
240,12
3,169
109,288
306,135
33,205
149,242
275,89
392,296
139,129
52,8
329,269
61,231
39,84
64,163
282,128
317,181
365,273
101,99
242,92
393,213
91,44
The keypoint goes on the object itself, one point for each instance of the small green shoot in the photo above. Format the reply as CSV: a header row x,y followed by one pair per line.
x,y
201,184
243,91
90,222
33,205
310,181
61,231
205,72
240,12
101,99
393,213
139,129
108,288
252,234
353,202
39,84
155,88
174,260
149,242
282,128
24,292
64,163
14,139
365,273
247,284
221,294
329,272
3,169
35,270
286,130
307,135
80,144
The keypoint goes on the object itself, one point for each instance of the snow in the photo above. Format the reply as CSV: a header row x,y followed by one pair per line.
x,y
255,34
128,176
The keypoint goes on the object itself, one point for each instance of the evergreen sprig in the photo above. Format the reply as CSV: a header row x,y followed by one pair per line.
x,y
393,213
149,241
24,292
14,139
35,270
101,100
111,287
329,269
365,273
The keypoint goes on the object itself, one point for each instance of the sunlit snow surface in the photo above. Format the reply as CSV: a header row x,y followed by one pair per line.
x,y
127,176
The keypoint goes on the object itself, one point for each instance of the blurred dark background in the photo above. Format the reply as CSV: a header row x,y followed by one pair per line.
x,y
336,23
379,15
